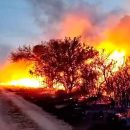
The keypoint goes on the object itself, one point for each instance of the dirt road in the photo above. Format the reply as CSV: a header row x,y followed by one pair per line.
x,y
19,114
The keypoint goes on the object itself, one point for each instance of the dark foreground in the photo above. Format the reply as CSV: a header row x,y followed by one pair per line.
x,y
80,114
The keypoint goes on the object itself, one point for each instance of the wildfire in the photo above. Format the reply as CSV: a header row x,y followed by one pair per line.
x,y
116,42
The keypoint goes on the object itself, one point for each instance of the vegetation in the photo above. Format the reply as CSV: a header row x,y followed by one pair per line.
x,y
76,65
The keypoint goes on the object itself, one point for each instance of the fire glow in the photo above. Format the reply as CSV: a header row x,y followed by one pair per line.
x,y
24,82
17,75
116,54
119,58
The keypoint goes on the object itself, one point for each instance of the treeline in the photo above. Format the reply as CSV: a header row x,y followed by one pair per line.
x,y
76,65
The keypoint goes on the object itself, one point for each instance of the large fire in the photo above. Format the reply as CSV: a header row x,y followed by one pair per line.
x,y
115,42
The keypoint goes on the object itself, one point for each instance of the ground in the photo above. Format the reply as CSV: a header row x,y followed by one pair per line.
x,y
19,114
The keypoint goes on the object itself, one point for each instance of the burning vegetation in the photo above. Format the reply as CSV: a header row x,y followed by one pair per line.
x,y
69,65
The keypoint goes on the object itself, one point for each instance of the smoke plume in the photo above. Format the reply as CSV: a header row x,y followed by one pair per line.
x,y
59,18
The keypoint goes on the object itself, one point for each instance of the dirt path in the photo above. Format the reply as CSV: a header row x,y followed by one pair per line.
x,y
19,114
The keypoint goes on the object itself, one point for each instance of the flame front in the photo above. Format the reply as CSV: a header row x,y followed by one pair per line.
x,y
24,82
17,75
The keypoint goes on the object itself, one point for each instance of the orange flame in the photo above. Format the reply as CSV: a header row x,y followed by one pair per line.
x,y
17,75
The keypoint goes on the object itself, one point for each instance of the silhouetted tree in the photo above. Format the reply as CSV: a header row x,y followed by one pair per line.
x,y
59,60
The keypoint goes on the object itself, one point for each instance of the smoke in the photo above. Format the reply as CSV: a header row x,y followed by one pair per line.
x,y
60,18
